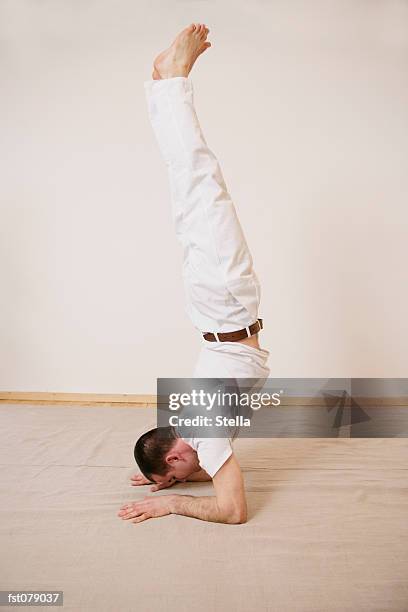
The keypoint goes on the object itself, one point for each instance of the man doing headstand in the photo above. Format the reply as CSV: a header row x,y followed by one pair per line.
x,y
222,295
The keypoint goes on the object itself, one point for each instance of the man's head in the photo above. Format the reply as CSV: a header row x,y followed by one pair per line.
x,y
162,456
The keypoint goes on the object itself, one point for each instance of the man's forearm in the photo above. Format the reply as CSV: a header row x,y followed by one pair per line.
x,y
205,509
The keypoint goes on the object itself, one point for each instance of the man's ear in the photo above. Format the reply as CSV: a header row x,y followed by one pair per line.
x,y
172,457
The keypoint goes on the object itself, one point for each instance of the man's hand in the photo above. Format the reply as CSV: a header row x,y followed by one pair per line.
x,y
138,480
149,507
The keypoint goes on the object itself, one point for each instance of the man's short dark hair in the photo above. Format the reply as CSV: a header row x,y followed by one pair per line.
x,y
151,450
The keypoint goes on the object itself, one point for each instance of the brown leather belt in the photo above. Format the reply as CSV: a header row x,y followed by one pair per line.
x,y
240,334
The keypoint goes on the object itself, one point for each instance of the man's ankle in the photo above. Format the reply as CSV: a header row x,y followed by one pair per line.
x,y
178,72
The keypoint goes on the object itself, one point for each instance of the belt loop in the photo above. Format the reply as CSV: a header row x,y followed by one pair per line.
x,y
248,332
216,337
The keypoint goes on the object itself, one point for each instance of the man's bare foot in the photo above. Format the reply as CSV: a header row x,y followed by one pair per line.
x,y
179,58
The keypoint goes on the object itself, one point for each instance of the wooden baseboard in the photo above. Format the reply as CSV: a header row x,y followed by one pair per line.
x,y
88,399
147,401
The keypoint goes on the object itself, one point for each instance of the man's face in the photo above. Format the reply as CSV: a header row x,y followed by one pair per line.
x,y
182,461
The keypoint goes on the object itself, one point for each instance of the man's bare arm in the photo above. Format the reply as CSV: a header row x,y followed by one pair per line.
x,y
229,503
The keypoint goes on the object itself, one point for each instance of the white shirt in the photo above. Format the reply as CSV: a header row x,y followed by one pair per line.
x,y
212,452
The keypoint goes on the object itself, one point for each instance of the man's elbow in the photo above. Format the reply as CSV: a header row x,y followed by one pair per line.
x,y
237,516
238,519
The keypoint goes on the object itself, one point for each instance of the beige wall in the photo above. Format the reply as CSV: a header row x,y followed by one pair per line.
x,y
305,104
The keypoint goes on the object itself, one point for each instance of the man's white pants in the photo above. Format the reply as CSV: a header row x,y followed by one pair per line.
x,y
221,287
